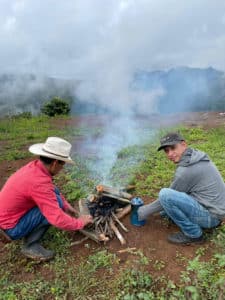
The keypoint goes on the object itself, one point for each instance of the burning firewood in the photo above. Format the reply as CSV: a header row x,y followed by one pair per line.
x,y
126,210
117,233
116,197
103,206
92,198
103,238
99,188
91,235
113,191
120,223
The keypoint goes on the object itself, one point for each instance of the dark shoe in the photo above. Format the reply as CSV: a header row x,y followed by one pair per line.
x,y
180,238
35,235
37,252
4,237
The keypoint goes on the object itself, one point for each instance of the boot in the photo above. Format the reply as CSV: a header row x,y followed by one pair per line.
x,y
33,249
182,239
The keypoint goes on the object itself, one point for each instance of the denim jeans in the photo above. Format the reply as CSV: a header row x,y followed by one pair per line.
x,y
30,221
186,212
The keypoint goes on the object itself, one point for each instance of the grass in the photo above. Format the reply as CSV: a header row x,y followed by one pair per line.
x,y
95,272
17,132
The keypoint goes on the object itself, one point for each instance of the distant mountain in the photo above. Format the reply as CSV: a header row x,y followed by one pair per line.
x,y
185,89
27,92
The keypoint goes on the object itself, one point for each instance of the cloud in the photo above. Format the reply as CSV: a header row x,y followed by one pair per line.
x,y
78,37
103,43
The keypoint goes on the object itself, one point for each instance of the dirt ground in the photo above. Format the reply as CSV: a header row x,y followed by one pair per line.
x,y
165,258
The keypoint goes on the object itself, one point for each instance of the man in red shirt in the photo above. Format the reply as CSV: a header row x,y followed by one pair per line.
x,y
30,203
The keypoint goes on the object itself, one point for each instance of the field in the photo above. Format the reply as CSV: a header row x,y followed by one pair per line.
x,y
150,267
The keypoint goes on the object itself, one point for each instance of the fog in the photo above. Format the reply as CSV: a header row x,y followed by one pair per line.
x,y
102,45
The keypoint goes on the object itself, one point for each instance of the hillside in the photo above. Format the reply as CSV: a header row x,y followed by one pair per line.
x,y
147,267
182,89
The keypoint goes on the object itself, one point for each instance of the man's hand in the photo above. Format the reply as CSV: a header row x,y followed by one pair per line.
x,y
87,219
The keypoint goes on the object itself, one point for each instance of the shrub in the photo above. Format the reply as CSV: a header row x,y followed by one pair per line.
x,y
56,106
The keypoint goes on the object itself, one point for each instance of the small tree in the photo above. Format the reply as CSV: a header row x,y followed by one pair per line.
x,y
56,106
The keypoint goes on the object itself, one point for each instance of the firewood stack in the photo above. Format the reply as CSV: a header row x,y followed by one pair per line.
x,y
108,206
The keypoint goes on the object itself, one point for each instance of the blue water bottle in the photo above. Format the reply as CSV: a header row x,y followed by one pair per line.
x,y
135,204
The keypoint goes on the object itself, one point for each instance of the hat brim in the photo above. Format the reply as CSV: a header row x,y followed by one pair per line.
x,y
37,149
168,144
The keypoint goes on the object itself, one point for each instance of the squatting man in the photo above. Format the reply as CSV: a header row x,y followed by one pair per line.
x,y
195,199
30,203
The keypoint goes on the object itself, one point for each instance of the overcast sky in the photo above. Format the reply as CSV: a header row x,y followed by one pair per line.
x,y
81,38
103,42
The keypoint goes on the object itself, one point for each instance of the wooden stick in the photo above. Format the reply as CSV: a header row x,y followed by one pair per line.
x,y
83,207
117,233
110,232
92,198
103,238
114,191
126,210
90,234
106,227
116,197
101,228
118,221
127,250
79,242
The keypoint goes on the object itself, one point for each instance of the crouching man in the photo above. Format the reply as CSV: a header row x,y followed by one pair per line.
x,y
196,197
30,203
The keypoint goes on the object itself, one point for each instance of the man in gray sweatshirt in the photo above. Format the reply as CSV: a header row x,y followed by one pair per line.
x,y
196,197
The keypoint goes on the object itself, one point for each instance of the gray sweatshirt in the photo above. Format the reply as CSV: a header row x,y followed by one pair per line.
x,y
197,176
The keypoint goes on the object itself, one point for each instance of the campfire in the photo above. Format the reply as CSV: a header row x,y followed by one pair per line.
x,y
108,206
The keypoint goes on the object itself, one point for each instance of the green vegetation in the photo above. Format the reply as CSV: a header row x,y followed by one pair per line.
x,y
92,271
18,131
55,107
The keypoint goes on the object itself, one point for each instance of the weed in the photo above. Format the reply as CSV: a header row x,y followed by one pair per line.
x,y
159,265
180,258
16,133
200,251
101,259
143,260
135,284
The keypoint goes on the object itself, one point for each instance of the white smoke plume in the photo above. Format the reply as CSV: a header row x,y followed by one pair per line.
x,y
102,44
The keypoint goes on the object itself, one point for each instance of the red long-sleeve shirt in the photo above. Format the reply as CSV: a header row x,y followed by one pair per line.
x,y
32,186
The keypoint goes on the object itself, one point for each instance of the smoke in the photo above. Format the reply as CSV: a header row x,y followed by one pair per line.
x,y
102,152
103,44
18,94
114,91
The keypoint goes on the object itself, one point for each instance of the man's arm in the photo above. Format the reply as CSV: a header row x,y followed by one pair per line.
x,y
86,219
45,198
149,209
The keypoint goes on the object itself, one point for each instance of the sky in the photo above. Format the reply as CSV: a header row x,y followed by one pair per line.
x,y
102,43
90,38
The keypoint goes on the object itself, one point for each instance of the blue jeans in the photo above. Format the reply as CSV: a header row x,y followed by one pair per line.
x,y
30,221
186,212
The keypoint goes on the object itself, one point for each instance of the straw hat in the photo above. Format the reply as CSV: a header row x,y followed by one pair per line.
x,y
54,147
